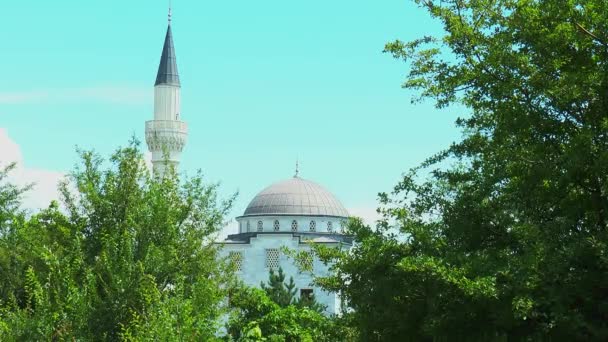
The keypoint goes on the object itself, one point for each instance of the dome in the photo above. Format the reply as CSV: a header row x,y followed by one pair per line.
x,y
295,196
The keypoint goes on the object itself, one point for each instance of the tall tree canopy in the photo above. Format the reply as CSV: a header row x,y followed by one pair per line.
x,y
504,234
130,257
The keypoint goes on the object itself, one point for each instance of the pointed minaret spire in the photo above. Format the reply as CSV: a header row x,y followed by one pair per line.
x,y
167,69
297,168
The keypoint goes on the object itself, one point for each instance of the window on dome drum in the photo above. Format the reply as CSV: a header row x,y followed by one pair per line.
x,y
236,259
294,226
260,226
240,227
342,225
276,225
248,226
313,226
330,227
306,293
272,258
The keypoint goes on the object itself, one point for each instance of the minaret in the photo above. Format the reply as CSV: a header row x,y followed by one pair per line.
x,y
166,134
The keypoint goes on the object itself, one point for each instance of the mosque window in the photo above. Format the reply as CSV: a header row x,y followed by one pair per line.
x,y
306,294
272,258
236,259
240,227
330,227
260,226
342,226
248,227
313,226
276,225
294,226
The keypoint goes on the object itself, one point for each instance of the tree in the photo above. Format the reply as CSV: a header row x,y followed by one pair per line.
x,y
130,257
310,301
273,313
502,235
285,294
256,317
11,217
277,290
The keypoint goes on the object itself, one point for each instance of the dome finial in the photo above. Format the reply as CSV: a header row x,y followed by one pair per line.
x,y
297,168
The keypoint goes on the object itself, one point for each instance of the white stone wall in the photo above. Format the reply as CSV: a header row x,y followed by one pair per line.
x,y
254,270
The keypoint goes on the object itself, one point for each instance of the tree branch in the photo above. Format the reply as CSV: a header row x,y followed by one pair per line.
x,y
589,33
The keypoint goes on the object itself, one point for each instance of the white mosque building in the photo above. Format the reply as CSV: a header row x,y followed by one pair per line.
x,y
292,213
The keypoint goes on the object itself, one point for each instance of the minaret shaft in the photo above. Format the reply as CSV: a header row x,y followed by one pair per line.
x,y
166,102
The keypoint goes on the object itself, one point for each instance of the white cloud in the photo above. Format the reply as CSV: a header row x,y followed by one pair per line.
x,y
116,94
45,181
23,97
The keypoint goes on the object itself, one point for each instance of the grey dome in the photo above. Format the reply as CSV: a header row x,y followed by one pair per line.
x,y
295,196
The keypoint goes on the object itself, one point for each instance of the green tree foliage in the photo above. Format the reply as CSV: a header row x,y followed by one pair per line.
x,y
274,313
504,235
285,294
11,216
10,198
277,290
310,301
130,257
256,317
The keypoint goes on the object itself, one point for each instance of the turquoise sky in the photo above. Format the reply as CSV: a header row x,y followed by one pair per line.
x,y
263,83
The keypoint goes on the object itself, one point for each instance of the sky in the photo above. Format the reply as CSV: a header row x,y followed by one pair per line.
x,y
264,83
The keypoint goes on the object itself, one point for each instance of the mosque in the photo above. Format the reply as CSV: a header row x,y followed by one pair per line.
x,y
291,213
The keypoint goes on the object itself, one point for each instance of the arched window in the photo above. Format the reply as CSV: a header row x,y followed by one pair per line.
x,y
260,226
313,226
330,227
248,226
277,226
240,227
294,226
342,226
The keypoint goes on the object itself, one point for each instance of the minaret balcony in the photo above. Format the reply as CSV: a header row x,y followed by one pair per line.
x,y
166,133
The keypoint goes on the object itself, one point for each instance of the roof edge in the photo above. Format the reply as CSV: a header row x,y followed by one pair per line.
x,y
245,238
